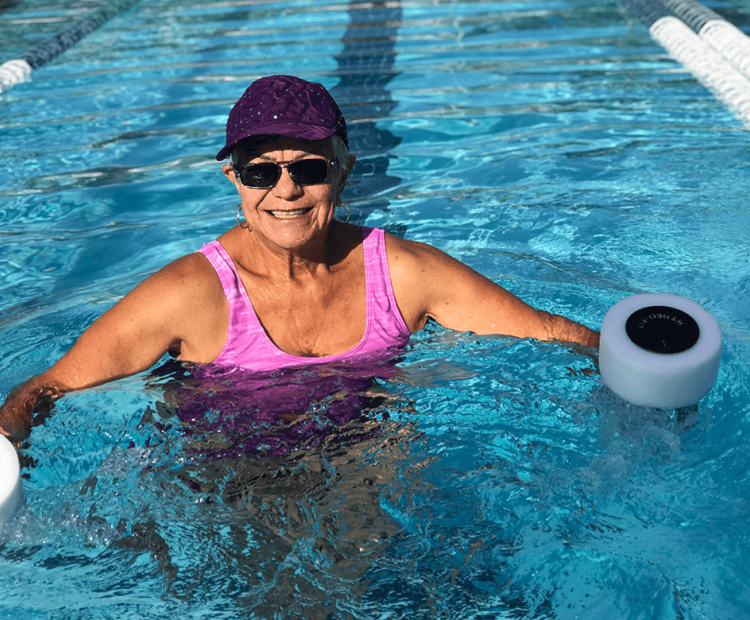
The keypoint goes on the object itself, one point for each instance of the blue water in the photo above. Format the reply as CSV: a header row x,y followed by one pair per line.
x,y
551,145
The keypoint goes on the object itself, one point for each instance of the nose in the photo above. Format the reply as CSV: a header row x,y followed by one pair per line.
x,y
285,187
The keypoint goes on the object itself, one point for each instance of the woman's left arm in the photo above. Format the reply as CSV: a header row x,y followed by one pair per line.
x,y
429,284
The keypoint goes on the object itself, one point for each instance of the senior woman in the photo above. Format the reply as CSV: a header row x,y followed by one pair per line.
x,y
289,285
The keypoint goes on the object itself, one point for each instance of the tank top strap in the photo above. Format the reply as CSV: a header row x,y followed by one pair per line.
x,y
222,264
246,338
386,326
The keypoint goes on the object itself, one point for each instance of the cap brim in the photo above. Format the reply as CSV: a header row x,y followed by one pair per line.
x,y
303,132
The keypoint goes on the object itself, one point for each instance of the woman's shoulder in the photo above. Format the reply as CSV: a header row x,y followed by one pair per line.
x,y
189,277
411,257
190,267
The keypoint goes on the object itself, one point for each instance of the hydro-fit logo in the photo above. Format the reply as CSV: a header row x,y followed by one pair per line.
x,y
643,321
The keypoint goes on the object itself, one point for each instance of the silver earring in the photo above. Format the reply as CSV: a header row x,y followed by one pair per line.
x,y
348,212
239,222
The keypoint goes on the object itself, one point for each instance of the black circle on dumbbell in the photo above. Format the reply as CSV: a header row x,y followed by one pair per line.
x,y
661,329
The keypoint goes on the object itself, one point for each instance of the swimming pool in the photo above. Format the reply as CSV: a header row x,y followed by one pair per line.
x,y
553,146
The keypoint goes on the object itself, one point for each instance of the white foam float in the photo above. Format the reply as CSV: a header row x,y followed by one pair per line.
x,y
659,350
10,480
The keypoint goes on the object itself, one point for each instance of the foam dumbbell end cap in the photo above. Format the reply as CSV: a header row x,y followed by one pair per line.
x,y
659,350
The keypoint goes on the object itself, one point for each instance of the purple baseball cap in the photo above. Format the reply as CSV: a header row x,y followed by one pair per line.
x,y
286,106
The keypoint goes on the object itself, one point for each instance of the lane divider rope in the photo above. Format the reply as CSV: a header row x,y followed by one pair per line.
x,y
720,34
19,69
712,49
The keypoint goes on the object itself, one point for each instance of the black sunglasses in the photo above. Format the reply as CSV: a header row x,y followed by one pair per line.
x,y
303,172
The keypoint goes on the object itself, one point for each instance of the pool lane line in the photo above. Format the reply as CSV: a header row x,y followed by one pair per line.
x,y
719,33
19,69
365,67
676,25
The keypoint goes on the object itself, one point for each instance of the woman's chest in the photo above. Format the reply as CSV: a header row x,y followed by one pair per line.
x,y
316,318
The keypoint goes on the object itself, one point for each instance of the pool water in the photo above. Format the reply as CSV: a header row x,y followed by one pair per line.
x,y
552,146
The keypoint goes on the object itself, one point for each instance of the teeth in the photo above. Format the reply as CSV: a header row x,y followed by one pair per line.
x,y
288,215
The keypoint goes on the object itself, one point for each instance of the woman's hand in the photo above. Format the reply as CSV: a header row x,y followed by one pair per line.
x,y
15,414
18,408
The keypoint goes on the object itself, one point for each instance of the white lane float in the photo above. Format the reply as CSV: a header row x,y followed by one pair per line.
x,y
659,350
11,495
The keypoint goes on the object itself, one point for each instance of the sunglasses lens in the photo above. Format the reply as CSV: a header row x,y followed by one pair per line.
x,y
303,172
309,171
260,175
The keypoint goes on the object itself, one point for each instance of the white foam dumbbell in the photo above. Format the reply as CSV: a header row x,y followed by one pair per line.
x,y
659,350
10,480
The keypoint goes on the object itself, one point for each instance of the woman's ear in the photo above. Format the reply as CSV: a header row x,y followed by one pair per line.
x,y
339,188
228,171
345,174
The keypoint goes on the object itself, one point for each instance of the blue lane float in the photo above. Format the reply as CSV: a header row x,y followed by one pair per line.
x,y
11,494
19,69
659,350
712,49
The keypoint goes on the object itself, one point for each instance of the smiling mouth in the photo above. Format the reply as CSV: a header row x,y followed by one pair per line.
x,y
289,215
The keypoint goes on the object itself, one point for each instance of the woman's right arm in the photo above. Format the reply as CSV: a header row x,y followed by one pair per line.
x,y
176,309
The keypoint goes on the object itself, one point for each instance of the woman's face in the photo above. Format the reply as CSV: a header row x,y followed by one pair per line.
x,y
289,216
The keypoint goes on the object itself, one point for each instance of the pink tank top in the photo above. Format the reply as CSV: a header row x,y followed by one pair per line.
x,y
248,346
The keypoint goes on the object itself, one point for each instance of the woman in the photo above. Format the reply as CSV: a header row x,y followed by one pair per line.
x,y
289,285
